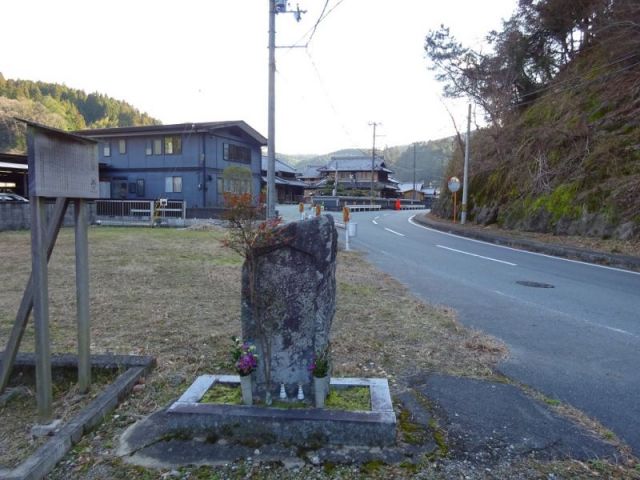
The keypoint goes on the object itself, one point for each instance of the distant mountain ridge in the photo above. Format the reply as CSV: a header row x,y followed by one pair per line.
x,y
61,107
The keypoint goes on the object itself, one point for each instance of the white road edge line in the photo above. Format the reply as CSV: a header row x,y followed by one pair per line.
x,y
523,251
565,314
374,222
394,232
478,256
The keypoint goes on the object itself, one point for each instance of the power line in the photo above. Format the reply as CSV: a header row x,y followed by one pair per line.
x,y
311,32
331,104
315,27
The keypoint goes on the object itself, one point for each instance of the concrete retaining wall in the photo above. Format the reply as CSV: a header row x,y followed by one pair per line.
x,y
18,216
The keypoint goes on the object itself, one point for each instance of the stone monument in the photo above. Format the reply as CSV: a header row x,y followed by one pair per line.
x,y
289,314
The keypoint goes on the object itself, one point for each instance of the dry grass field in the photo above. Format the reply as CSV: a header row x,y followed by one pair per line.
x,y
174,294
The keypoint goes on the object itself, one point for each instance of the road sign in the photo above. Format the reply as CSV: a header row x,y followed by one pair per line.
x,y
454,184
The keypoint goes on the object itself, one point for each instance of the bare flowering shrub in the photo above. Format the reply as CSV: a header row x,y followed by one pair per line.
x,y
251,236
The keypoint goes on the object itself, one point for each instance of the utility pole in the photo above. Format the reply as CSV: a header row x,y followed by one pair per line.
x,y
373,158
275,7
271,134
335,182
465,178
414,172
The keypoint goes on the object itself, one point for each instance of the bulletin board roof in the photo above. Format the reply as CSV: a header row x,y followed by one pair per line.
x,y
61,164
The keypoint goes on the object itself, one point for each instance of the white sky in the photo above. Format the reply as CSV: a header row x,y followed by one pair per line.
x,y
197,60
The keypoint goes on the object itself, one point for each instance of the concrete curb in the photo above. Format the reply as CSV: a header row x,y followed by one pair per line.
x,y
573,253
48,455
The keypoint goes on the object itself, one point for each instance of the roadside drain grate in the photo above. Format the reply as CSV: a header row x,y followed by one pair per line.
x,y
527,283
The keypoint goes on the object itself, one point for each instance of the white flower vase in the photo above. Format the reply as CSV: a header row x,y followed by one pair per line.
x,y
245,387
320,390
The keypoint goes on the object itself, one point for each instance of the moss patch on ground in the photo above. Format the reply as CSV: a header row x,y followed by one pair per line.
x,y
352,399
224,393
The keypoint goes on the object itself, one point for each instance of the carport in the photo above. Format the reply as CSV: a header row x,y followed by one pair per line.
x,y
13,174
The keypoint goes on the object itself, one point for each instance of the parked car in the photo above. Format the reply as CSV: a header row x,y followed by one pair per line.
x,y
12,198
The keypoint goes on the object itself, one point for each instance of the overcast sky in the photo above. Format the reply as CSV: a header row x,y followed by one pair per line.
x,y
197,60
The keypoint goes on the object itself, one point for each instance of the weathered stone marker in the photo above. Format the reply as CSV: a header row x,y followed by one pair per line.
x,y
294,301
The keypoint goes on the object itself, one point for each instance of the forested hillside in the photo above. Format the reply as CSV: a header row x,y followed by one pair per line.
x,y
561,94
58,106
431,159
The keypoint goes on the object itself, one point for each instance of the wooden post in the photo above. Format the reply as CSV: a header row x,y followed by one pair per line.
x,y
455,198
40,287
9,357
82,295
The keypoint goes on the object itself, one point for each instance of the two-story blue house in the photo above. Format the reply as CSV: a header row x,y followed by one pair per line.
x,y
185,161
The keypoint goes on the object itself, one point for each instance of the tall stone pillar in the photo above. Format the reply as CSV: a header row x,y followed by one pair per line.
x,y
294,302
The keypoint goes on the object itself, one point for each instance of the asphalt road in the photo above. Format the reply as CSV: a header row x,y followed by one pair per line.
x,y
577,342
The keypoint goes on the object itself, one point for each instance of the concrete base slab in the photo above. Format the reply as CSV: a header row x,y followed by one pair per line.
x,y
309,427
171,453
189,433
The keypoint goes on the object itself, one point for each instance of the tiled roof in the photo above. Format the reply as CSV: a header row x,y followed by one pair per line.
x,y
407,187
311,171
280,166
286,181
355,164
177,128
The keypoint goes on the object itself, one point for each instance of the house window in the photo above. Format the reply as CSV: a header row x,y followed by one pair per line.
x,y
236,153
173,184
238,186
157,146
122,146
106,149
173,145
140,187
148,149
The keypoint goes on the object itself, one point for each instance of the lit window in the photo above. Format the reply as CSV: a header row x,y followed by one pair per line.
x,y
148,150
106,149
157,146
122,146
173,145
173,184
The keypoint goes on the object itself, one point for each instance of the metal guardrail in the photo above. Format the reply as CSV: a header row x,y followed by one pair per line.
x,y
363,208
140,212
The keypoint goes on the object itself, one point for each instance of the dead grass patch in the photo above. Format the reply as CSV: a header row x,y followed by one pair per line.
x,y
381,329
20,413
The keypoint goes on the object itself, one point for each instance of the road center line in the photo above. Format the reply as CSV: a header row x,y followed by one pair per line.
x,y
476,255
374,222
394,232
